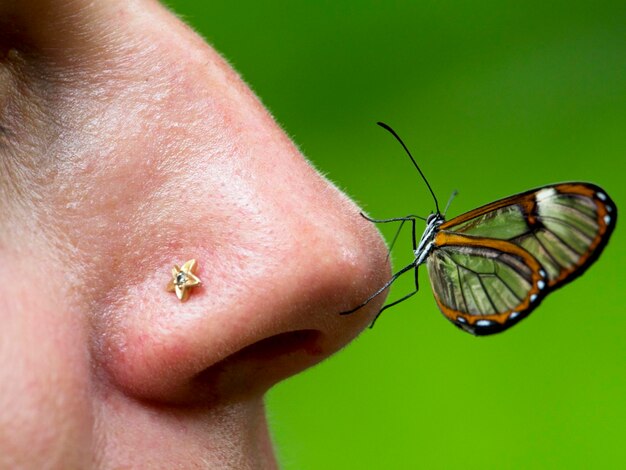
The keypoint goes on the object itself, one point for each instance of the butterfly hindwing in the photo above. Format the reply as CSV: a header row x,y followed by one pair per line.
x,y
484,285
492,266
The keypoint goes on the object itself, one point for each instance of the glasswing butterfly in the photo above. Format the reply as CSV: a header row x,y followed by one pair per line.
x,y
492,266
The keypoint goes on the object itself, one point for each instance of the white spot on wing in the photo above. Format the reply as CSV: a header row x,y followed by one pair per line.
x,y
484,323
609,208
513,315
601,196
607,219
461,320
533,297
542,273
541,284
545,193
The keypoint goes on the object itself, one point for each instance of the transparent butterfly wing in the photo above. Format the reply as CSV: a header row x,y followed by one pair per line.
x,y
554,233
483,285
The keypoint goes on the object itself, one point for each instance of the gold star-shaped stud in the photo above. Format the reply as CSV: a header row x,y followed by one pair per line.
x,y
183,280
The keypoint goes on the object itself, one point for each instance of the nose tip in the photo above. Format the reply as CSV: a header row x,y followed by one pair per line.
x,y
295,321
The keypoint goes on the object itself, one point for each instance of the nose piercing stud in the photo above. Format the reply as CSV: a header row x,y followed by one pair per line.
x,y
183,280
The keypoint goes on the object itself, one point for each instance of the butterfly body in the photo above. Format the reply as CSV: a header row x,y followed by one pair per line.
x,y
426,243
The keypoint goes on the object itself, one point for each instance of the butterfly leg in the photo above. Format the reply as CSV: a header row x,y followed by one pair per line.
x,y
395,237
396,302
393,242
395,219
402,220
414,241
379,291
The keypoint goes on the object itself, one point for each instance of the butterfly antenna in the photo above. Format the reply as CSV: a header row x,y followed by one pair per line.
x,y
452,196
385,126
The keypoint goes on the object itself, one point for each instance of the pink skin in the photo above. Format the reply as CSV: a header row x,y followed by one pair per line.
x,y
127,145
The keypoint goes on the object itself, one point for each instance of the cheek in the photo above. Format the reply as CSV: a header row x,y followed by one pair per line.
x,y
46,417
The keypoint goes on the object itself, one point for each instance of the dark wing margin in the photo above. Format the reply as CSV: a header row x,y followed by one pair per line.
x,y
562,227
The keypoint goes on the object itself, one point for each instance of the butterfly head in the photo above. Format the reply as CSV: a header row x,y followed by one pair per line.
x,y
435,219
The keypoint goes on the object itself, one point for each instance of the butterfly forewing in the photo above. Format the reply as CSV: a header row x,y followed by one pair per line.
x,y
493,265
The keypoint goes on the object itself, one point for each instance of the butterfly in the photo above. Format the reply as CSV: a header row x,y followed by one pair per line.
x,y
492,266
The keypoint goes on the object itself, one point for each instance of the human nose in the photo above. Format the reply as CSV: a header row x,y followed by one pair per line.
x,y
280,252
275,275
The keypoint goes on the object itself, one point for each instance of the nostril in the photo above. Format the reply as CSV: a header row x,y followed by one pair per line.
x,y
255,368
283,344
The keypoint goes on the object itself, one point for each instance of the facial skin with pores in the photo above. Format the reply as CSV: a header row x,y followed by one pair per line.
x,y
128,145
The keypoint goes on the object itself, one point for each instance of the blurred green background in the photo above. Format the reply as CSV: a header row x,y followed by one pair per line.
x,y
493,98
